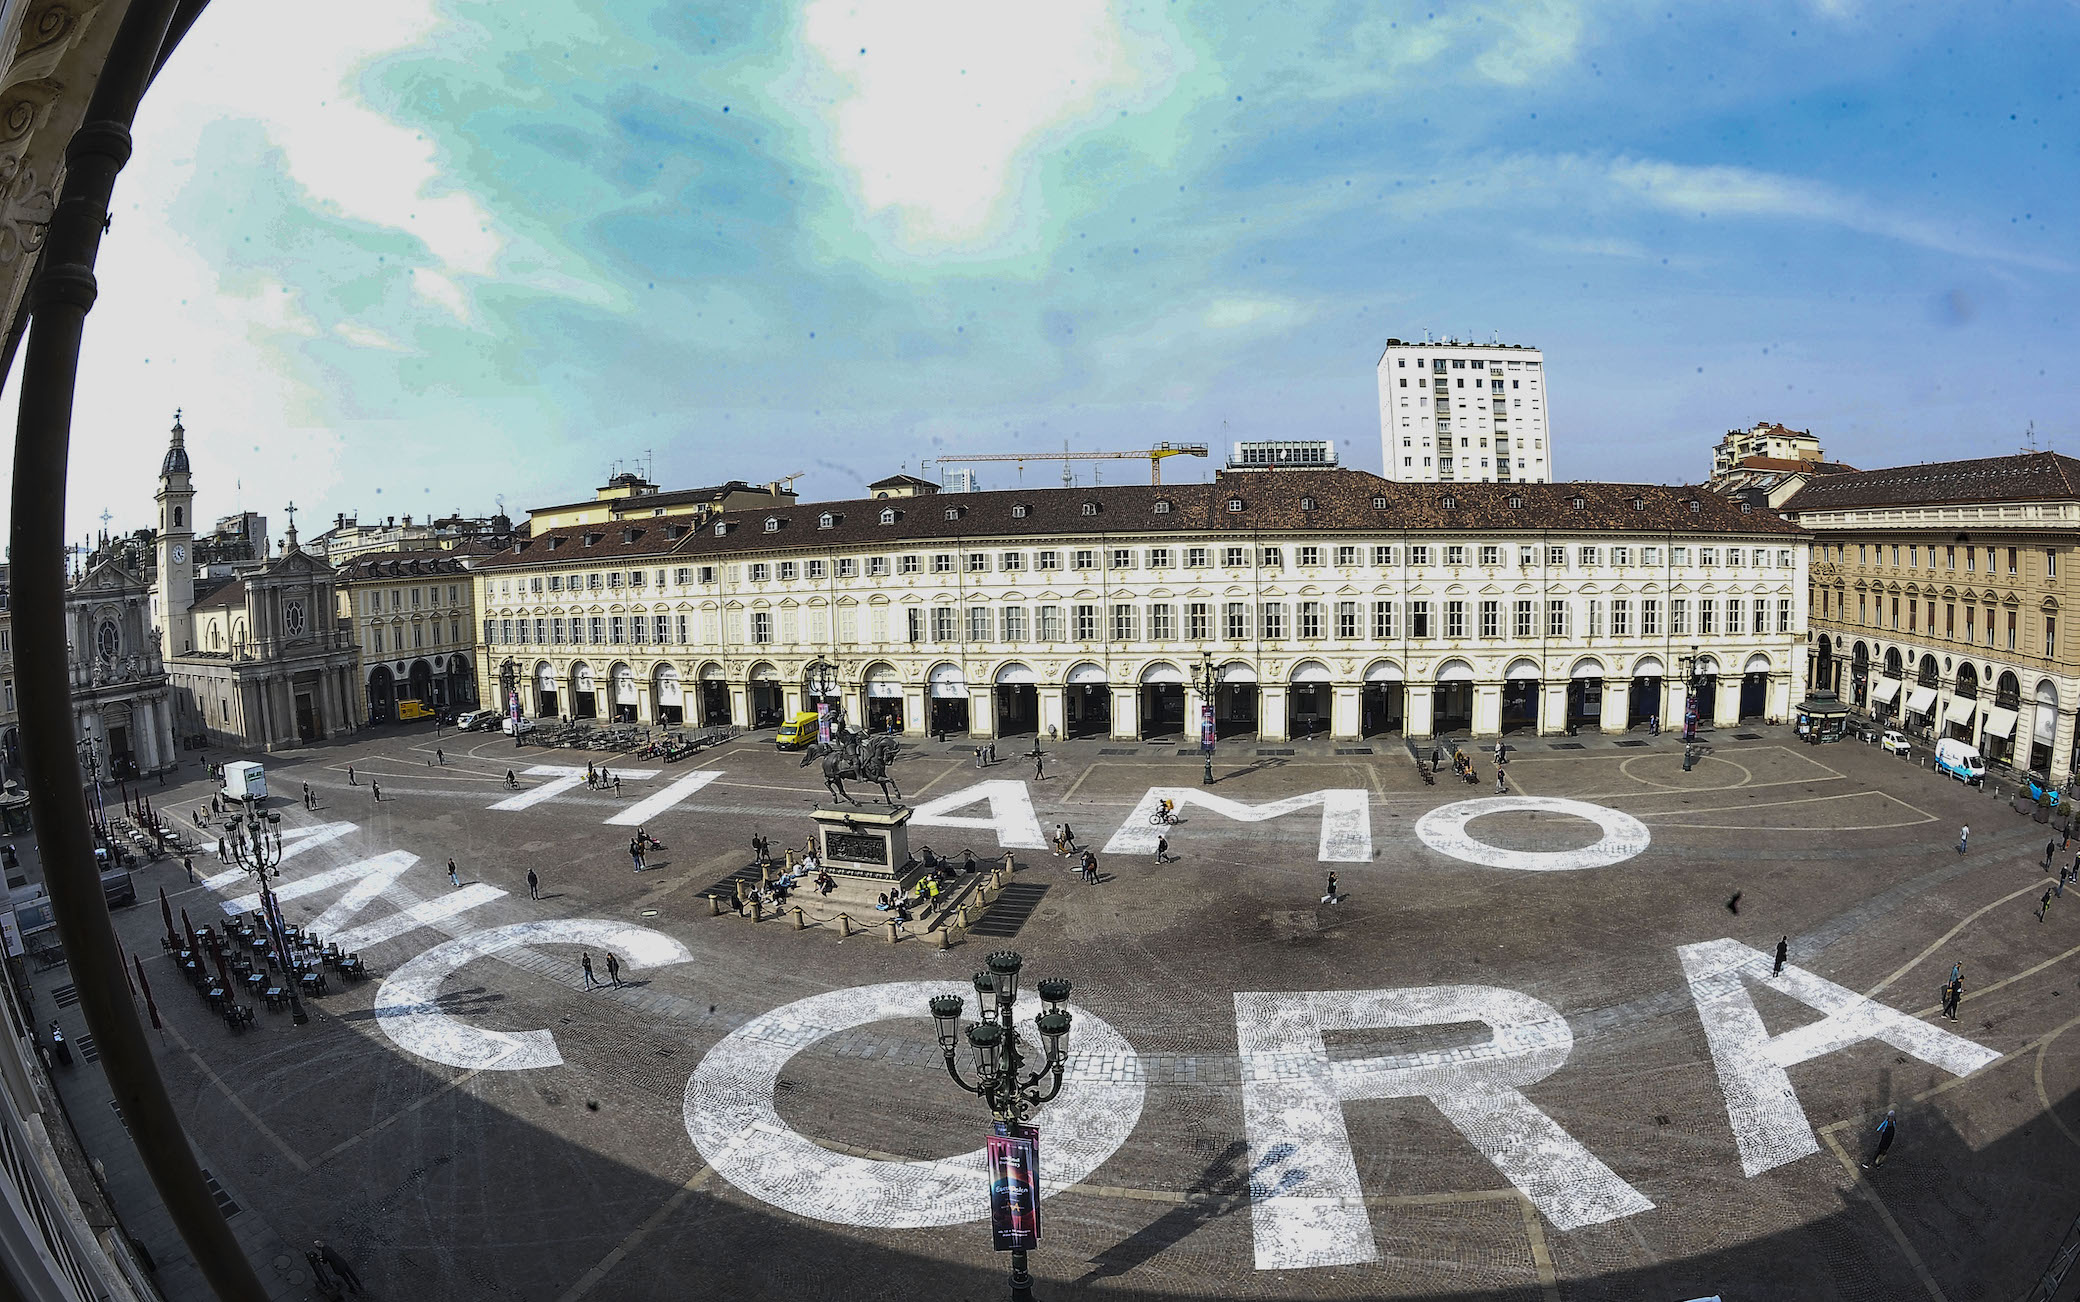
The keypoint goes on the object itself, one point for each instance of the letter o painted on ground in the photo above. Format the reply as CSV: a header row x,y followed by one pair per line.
x,y
1444,830
732,1121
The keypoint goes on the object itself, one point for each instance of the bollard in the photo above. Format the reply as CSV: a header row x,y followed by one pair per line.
x,y
790,860
966,915
892,925
945,938
737,884
799,921
714,906
844,926
1009,868
758,909
765,875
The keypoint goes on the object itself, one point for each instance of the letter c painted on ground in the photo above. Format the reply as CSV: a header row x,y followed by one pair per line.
x,y
408,1004
732,1120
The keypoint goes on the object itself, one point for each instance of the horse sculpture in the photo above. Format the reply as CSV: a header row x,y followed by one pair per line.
x,y
861,759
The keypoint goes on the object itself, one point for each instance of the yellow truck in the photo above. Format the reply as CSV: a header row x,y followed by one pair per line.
x,y
409,710
797,732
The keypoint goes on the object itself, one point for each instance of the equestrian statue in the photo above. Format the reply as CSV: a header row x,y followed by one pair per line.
x,y
863,759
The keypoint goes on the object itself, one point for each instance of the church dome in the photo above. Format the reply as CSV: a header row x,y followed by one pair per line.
x,y
176,462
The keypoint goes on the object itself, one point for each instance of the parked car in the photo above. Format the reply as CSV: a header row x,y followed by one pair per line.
x,y
515,727
471,720
1895,742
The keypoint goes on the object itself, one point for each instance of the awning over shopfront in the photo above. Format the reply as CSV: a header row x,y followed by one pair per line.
x,y
1885,689
949,681
1961,712
2000,723
1920,700
882,684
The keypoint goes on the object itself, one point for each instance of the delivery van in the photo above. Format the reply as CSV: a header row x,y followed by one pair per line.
x,y
797,731
408,710
244,778
1960,761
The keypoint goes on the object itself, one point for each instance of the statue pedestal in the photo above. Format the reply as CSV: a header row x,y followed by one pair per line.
x,y
866,850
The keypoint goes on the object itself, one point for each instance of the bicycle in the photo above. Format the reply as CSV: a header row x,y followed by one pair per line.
x,y
1161,819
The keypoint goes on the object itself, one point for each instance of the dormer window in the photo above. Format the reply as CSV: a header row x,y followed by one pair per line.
x,y
888,515
1163,507
592,538
1639,503
826,520
1307,504
1516,504
1090,508
1579,504
1234,504
1450,503
721,528
772,524
1745,508
953,513
1695,506
1379,503
1019,512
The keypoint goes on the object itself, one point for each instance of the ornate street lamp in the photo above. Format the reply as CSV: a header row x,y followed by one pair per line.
x,y
1000,1079
1207,679
89,761
256,844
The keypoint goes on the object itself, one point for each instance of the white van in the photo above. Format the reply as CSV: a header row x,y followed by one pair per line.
x,y
244,778
1960,761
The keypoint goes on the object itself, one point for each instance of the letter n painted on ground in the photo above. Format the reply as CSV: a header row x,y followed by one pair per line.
x,y
1306,1207
1346,819
1769,1125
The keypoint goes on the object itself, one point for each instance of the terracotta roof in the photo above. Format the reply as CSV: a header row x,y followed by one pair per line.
x,y
1332,502
374,566
1795,464
2024,477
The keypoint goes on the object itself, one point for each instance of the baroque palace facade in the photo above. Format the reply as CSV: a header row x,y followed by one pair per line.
x,y
1939,595
1329,602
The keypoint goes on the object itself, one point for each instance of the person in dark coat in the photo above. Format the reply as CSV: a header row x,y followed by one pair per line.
x,y
1887,1130
1783,950
338,1264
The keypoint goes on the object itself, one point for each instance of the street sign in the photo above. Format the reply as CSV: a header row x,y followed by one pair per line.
x,y
1014,1187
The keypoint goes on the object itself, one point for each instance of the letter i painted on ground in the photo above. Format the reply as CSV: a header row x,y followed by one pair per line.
x,y
1769,1125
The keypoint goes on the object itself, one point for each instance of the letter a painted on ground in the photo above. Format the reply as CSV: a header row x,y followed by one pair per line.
x,y
1306,1207
1769,1125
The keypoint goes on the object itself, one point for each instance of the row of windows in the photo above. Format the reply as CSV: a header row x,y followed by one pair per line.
x,y
1997,632
378,636
372,602
1309,556
1459,364
1867,553
1196,621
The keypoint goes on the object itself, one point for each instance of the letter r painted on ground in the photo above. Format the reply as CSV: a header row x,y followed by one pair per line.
x,y
1346,819
1306,1206
1769,1125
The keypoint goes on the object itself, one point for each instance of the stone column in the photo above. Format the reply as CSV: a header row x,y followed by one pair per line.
x,y
1779,702
1617,704
1418,718
1673,692
2062,746
1346,711
1126,712
1273,723
982,711
1487,709
917,713
1552,708
1049,697
791,697
1726,711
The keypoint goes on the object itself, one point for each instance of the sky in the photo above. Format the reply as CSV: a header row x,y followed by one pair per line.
x,y
421,256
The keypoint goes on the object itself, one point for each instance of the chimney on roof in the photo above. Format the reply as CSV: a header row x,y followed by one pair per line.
x,y
393,522
408,522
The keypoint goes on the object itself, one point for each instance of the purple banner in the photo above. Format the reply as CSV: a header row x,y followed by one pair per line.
x,y
1014,1187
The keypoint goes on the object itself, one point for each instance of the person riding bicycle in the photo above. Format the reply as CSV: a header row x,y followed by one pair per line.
x,y
511,781
1166,810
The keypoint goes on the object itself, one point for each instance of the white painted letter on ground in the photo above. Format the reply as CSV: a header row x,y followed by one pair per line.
x,y
408,1006
1011,814
1444,830
1306,1207
732,1120
1346,819
1769,1125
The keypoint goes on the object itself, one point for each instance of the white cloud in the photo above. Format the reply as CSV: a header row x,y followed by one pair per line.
x,y
441,290
1739,191
363,336
938,119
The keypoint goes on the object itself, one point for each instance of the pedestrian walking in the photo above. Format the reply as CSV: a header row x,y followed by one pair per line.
x,y
1162,848
376,789
635,853
1783,952
590,778
1887,1129
585,962
223,856
1330,896
439,756
2050,848
617,784
1963,837
993,752
1039,766
2043,906
350,776
1501,787
215,805
1953,995
339,1265
306,795
454,876
613,969
2059,889
1090,868
534,885
188,862
1068,836
59,1049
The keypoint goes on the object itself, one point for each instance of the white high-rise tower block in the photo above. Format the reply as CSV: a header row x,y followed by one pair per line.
x,y
1464,413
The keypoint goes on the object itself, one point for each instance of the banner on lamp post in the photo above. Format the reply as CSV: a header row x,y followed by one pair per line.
x,y
1206,726
1014,1186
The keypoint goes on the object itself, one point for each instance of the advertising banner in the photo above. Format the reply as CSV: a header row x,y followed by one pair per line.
x,y
513,702
1206,726
823,722
1014,1187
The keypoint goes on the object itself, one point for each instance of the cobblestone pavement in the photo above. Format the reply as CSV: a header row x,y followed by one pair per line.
x,y
577,1177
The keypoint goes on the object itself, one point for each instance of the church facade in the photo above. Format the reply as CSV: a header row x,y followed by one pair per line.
x,y
121,700
260,661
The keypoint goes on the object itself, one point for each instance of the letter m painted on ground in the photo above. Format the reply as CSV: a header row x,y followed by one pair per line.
x,y
1346,819
1769,1125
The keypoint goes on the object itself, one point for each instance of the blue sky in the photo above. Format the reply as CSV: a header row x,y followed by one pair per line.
x,y
417,255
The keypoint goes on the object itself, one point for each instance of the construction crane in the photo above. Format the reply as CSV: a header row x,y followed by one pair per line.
x,y
1154,455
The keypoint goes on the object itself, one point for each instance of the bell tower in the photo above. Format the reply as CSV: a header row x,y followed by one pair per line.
x,y
173,591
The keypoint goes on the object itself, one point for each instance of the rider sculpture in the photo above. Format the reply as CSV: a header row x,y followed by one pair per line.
x,y
863,759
